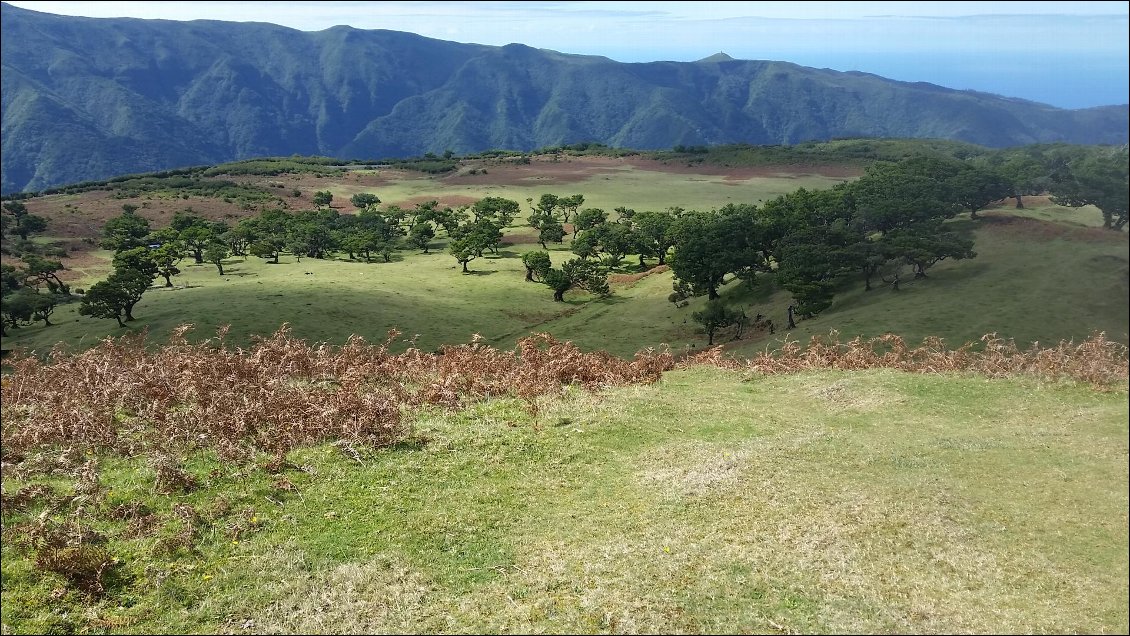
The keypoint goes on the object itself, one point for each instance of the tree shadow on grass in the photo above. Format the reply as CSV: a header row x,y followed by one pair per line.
x,y
476,272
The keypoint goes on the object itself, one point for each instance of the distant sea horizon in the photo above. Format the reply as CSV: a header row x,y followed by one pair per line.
x,y
1077,80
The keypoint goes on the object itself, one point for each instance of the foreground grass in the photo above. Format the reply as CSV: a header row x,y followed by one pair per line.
x,y
712,501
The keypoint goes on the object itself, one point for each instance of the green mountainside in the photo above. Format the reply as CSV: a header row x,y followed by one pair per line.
x,y
87,98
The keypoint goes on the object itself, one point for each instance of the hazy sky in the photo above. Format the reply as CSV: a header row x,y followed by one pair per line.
x,y
1068,54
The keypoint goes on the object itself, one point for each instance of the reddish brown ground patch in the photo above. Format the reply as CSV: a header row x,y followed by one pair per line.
x,y
310,183
454,201
541,170
566,169
627,279
742,173
1045,230
521,238
82,216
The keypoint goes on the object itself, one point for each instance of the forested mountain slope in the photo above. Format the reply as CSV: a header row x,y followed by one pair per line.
x,y
86,98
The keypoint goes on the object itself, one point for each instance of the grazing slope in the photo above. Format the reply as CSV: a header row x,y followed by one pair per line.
x,y
91,98
1011,287
710,501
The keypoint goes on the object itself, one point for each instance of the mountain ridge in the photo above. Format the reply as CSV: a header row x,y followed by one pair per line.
x,y
90,98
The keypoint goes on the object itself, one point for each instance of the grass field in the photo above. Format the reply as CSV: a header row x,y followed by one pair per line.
x,y
609,188
1043,274
712,501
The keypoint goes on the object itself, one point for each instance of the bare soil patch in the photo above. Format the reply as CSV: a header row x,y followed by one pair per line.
x,y
742,173
1046,230
566,170
454,201
627,279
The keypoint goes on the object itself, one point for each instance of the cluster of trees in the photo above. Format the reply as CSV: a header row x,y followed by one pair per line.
x,y
812,241
575,273
885,226
29,293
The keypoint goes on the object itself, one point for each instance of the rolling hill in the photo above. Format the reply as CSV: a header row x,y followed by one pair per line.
x,y
90,98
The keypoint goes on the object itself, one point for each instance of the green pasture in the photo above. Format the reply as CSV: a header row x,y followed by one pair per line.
x,y
616,186
1042,274
710,502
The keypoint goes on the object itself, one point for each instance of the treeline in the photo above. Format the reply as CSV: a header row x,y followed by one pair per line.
x,y
879,229
32,292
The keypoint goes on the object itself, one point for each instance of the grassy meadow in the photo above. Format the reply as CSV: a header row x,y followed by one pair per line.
x,y
1043,274
714,500
711,501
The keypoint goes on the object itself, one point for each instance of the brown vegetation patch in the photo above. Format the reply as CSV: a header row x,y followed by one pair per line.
x,y
569,169
742,173
446,200
521,238
83,215
540,169
290,393
1020,226
631,278
1097,361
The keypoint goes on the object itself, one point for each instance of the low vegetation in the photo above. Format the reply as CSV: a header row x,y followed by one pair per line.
x,y
151,489
538,477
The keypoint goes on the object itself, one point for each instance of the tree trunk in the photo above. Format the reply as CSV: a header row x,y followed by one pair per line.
x,y
198,255
642,264
559,295
1019,202
464,266
867,274
709,337
972,214
529,274
221,268
129,313
119,319
712,293
168,280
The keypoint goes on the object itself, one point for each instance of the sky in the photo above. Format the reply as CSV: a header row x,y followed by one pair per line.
x,y
1067,54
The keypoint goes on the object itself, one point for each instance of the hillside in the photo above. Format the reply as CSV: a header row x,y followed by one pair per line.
x,y
93,98
704,501
388,445
1010,288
